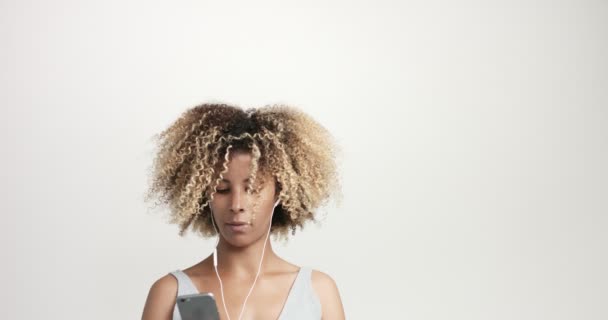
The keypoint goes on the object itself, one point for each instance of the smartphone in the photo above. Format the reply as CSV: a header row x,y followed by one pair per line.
x,y
199,306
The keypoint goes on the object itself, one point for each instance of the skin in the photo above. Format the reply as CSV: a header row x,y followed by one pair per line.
x,y
239,256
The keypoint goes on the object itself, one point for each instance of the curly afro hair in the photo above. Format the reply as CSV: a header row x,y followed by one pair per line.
x,y
284,142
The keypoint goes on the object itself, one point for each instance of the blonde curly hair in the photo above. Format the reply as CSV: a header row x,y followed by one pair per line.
x,y
284,143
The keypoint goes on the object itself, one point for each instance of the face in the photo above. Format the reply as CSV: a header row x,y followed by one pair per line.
x,y
232,204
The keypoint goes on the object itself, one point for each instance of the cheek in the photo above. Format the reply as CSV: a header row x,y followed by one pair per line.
x,y
265,210
217,201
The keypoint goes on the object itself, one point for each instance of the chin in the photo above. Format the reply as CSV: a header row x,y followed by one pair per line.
x,y
239,241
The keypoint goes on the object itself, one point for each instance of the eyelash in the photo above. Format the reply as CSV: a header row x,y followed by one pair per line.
x,y
222,191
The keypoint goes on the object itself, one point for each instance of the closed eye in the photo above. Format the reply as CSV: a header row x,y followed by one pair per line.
x,y
222,191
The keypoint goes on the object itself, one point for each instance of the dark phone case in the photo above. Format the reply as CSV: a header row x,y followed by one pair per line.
x,y
200,306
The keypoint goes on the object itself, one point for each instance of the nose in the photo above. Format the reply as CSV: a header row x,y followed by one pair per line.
x,y
238,197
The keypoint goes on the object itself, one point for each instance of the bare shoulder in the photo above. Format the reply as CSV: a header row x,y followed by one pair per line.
x,y
161,299
321,279
329,295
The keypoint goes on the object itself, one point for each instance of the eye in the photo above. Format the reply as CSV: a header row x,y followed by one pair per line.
x,y
223,191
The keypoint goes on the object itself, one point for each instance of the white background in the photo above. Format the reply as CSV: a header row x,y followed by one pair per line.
x,y
474,133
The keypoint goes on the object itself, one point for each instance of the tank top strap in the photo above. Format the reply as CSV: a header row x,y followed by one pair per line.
x,y
184,287
310,293
302,302
184,283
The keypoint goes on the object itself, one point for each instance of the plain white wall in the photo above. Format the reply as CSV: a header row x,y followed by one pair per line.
x,y
475,138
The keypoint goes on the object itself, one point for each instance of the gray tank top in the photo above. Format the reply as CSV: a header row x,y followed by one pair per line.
x,y
302,302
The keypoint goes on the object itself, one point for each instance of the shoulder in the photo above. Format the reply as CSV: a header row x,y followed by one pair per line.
x,y
322,280
327,290
161,299
166,284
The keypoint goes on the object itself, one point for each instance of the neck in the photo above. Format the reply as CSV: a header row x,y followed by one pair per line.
x,y
243,262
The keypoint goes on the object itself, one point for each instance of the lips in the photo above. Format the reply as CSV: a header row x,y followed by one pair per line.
x,y
238,226
237,223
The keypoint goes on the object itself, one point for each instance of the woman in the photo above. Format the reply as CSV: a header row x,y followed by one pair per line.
x,y
243,175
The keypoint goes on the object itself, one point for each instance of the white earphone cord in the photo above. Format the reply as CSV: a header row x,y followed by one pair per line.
x,y
259,266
